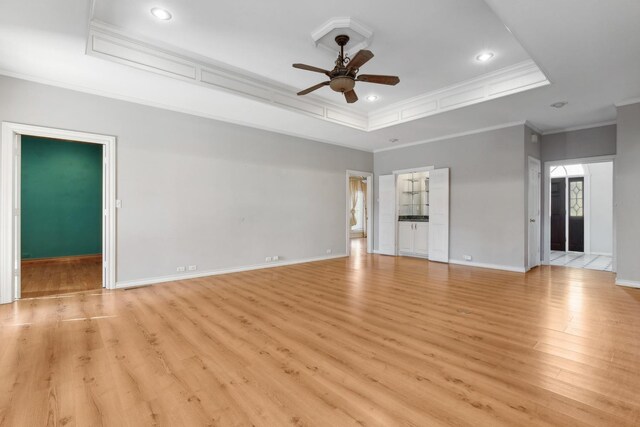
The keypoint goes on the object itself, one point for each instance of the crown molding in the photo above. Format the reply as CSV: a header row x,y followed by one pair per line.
x,y
507,81
452,135
582,127
630,101
110,43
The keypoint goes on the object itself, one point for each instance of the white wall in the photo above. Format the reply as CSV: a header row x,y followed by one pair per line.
x,y
198,191
487,200
601,207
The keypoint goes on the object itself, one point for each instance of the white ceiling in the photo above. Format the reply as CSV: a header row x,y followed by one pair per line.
x,y
429,44
587,48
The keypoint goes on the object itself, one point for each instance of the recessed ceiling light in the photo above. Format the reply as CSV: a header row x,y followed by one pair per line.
x,y
160,13
484,56
372,98
559,104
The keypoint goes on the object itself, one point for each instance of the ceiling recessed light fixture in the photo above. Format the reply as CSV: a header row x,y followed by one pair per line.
x,y
372,98
484,56
559,104
160,13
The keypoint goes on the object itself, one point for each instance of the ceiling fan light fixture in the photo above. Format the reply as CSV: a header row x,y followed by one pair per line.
x,y
484,56
342,84
161,14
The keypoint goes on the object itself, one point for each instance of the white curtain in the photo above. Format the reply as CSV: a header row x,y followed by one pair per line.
x,y
354,187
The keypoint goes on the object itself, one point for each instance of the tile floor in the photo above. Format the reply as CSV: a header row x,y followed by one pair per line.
x,y
579,260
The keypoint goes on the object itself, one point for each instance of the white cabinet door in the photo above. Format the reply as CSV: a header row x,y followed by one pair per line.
x,y
387,212
439,215
421,238
405,236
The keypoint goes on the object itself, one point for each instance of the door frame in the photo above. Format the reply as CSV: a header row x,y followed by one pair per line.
x,y
547,202
10,160
369,176
536,236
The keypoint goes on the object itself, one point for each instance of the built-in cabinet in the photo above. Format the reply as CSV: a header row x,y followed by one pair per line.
x,y
413,214
413,238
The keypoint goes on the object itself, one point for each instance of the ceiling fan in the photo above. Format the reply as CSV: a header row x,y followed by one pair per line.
x,y
344,75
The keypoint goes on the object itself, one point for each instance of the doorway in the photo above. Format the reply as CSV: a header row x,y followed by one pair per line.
x,y
60,216
580,225
359,212
11,214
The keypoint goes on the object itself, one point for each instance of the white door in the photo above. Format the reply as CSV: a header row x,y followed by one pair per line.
x,y
405,237
369,218
439,215
421,238
534,213
387,211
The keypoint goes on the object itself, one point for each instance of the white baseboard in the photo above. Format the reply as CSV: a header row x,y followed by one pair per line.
x,y
628,283
601,253
490,266
162,279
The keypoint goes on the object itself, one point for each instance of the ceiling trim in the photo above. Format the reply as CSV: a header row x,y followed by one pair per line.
x,y
627,102
582,127
452,135
106,43
110,43
142,101
517,78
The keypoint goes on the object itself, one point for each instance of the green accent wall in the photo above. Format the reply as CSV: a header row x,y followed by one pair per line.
x,y
61,198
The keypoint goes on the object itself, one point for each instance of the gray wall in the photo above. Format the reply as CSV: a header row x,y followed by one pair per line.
x,y
593,142
627,194
486,202
199,191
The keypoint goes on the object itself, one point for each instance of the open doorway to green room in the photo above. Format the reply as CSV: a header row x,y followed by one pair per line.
x,y
61,216
57,211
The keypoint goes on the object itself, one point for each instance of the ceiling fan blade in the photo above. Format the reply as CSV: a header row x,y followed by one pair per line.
x,y
351,96
310,68
361,58
383,80
312,88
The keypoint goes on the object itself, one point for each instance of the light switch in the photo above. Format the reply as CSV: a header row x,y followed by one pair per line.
x,y
118,204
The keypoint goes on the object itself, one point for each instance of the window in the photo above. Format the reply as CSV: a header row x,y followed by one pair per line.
x,y
567,170
576,198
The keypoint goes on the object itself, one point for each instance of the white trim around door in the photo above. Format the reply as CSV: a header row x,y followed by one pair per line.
x,y
10,202
369,177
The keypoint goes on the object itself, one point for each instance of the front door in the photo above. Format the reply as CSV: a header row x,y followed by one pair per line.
x,y
558,215
576,214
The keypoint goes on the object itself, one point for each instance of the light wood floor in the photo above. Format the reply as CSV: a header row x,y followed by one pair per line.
x,y
59,276
367,340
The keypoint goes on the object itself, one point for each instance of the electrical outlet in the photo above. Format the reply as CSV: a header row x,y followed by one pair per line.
x,y
268,259
468,257
329,251
276,257
193,267
180,269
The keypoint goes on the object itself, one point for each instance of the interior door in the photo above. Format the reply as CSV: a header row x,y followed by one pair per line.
x,y
558,215
387,211
439,215
534,213
576,214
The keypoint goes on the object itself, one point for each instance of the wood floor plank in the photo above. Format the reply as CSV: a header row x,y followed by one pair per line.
x,y
366,340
